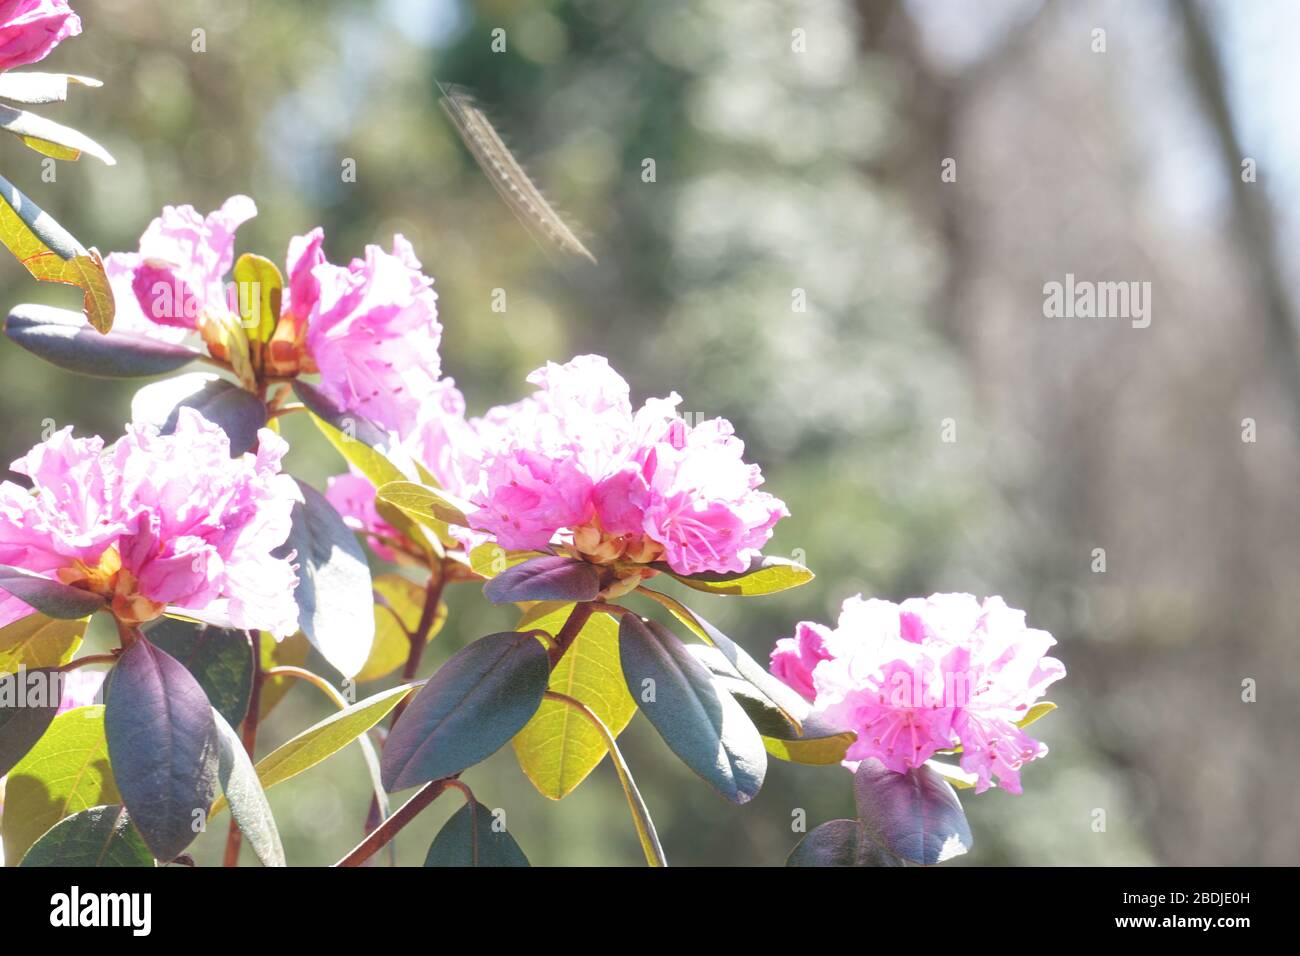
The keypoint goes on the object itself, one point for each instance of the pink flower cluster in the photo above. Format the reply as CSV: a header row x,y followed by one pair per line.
x,y
370,329
30,29
575,465
926,675
155,521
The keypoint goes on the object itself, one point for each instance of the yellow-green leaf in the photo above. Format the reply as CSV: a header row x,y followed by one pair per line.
x,y
39,641
425,503
399,602
324,739
66,772
766,575
291,652
559,747
51,254
1037,712
817,751
490,559
260,288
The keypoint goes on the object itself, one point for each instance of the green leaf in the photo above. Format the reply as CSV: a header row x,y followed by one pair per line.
x,y
100,836
324,739
817,746
364,446
474,704
50,597
783,697
765,575
490,559
399,602
706,728
1036,713
40,641
914,815
63,338
247,800
548,578
424,503
50,138
840,843
470,838
220,659
238,412
22,721
558,747
291,652
51,254
260,289
765,715
163,745
334,590
66,772
36,89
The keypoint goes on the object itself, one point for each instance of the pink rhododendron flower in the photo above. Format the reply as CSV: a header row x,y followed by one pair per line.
x,y
926,675
372,329
178,275
155,521
30,29
618,485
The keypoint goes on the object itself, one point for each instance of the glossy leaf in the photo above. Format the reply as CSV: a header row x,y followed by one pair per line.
x,y
473,705
244,794
66,772
334,588
1036,713
399,603
40,641
63,338
50,138
23,721
425,503
324,739
558,747
163,744
914,815
290,652
489,559
706,728
220,659
352,426
765,575
548,578
840,843
36,89
50,597
260,289
472,838
238,412
98,837
782,696
51,254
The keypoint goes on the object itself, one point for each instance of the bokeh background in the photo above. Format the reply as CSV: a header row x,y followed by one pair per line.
x,y
819,170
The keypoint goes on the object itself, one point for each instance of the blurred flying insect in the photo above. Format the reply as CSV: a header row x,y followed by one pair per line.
x,y
507,176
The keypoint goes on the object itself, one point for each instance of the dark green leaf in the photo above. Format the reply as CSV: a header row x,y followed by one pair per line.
x,y
237,411
705,727
64,339
220,659
471,838
840,843
22,726
245,796
334,590
51,598
473,705
548,578
163,745
914,815
100,836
